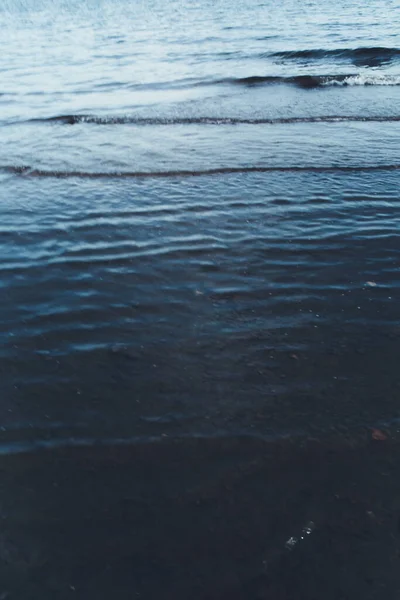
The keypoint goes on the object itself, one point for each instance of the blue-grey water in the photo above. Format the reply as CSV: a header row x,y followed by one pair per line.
x,y
199,299
199,218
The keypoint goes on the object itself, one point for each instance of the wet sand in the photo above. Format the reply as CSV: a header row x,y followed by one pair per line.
x,y
237,519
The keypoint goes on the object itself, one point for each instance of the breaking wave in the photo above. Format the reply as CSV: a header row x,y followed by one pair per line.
x,y
143,121
318,81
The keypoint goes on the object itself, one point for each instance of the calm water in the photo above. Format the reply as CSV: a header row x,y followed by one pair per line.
x,y
199,218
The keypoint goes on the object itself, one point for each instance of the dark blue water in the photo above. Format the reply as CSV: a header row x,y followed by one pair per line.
x,y
199,219
199,300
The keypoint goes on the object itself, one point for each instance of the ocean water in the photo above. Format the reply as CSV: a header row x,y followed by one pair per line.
x,y
199,219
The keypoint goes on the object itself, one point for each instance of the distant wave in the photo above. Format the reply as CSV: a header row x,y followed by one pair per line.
x,y
317,81
143,121
302,81
61,174
369,56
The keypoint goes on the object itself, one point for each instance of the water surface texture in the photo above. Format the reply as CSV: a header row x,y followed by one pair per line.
x,y
199,230
199,299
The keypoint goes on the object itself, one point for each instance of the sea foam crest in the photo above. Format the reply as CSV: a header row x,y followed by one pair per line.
x,y
364,79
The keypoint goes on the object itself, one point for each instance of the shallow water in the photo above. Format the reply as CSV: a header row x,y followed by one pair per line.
x,y
199,225
199,307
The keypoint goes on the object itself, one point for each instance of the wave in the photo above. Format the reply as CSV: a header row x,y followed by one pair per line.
x,y
60,174
143,121
317,81
301,81
369,56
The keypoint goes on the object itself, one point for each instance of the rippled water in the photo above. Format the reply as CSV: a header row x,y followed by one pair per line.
x,y
199,226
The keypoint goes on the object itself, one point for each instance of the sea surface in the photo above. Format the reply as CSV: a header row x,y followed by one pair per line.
x,y
199,300
199,219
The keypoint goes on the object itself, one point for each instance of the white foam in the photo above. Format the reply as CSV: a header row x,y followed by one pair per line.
x,y
365,79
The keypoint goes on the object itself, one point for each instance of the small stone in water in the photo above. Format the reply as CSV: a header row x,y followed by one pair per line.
x,y
379,435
